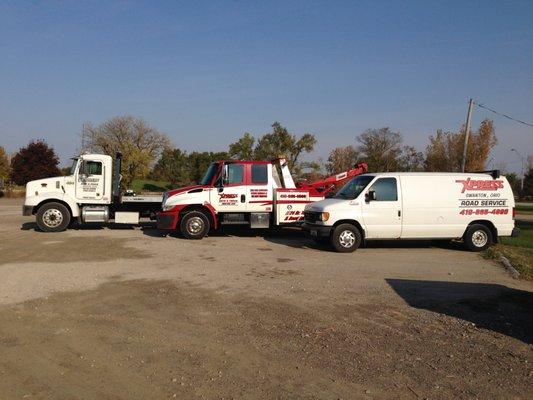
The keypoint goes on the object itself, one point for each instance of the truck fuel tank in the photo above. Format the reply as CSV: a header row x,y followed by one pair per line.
x,y
95,214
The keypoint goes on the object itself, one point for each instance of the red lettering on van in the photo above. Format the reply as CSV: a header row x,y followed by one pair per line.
x,y
470,184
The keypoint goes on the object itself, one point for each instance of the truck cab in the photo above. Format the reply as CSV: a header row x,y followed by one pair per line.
x,y
231,192
90,193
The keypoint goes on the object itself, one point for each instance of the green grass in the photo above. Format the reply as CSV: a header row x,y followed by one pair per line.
x,y
527,209
147,185
525,239
518,250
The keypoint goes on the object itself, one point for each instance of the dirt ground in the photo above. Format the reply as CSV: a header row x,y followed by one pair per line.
x,y
119,313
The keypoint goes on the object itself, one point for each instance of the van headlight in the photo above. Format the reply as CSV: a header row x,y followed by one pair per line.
x,y
324,216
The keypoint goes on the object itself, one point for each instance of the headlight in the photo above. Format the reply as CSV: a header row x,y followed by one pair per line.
x,y
164,205
323,216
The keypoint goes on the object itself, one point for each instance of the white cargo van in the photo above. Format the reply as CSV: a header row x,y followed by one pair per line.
x,y
476,208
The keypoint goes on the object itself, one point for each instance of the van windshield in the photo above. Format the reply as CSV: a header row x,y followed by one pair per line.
x,y
354,187
208,177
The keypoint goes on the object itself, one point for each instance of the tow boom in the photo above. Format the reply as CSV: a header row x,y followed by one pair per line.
x,y
324,186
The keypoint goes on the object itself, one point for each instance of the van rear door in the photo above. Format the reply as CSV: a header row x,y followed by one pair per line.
x,y
383,214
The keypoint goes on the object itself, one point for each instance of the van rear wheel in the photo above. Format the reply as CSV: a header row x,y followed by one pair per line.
x,y
477,237
346,238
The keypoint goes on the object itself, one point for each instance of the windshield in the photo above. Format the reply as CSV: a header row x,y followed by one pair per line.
x,y
209,174
73,167
354,187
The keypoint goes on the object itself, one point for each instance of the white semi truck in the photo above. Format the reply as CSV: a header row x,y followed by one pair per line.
x,y
90,194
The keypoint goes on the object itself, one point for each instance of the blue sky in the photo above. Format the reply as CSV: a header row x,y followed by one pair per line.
x,y
205,72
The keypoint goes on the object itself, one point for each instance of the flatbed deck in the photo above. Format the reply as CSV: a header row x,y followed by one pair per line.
x,y
142,199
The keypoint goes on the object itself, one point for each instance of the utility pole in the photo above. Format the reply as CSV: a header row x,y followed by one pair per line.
x,y
467,132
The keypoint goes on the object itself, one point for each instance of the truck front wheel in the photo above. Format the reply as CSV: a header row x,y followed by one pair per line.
x,y
53,217
346,238
194,225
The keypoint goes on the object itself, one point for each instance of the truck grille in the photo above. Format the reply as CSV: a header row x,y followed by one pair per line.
x,y
311,216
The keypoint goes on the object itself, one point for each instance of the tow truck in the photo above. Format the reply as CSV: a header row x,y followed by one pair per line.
x,y
254,194
90,194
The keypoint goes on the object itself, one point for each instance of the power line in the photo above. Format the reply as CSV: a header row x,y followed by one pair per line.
x,y
503,115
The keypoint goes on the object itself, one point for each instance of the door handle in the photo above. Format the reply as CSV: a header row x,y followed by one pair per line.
x,y
243,198
399,213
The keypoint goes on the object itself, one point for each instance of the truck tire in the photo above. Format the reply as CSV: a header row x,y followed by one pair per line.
x,y
53,217
346,238
477,237
194,225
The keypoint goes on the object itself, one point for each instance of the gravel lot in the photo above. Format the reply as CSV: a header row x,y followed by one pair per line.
x,y
124,313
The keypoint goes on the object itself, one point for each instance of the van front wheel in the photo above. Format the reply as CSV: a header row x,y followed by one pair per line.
x,y
477,237
346,238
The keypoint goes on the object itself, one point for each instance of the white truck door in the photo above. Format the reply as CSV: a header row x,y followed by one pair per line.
x,y
382,214
90,180
232,197
259,190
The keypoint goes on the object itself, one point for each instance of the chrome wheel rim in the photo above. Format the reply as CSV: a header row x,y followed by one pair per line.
x,y
195,225
480,238
347,239
52,218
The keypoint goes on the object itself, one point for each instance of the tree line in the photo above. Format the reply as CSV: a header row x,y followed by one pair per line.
x,y
147,153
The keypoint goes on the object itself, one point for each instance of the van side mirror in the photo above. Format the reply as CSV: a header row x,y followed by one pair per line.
x,y
370,195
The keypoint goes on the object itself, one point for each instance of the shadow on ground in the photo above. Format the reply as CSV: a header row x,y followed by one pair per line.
x,y
296,238
489,306
29,226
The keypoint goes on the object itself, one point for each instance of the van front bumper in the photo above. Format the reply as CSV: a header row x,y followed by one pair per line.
x,y
318,231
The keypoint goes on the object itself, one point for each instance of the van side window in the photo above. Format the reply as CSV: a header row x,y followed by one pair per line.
x,y
259,173
235,173
94,167
385,189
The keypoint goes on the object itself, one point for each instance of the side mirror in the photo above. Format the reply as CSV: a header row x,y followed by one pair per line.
x,y
225,174
370,195
83,170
